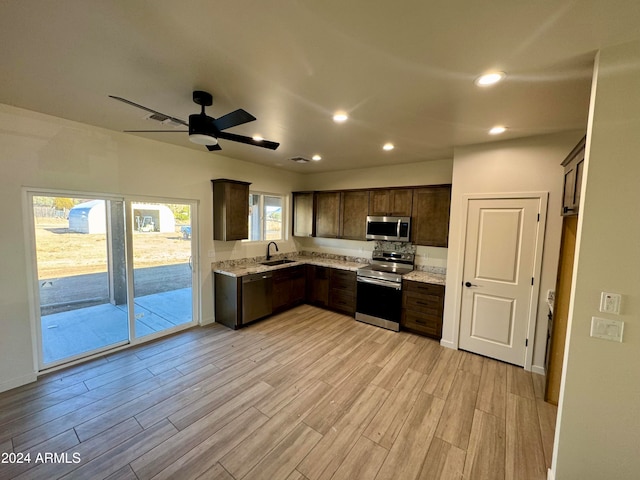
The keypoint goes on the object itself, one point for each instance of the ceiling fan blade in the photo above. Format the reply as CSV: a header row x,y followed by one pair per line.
x,y
211,148
146,109
232,119
155,131
248,140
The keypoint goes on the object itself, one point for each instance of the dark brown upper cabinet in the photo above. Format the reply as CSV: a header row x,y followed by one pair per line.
x,y
391,202
430,216
573,169
327,214
353,214
304,209
230,209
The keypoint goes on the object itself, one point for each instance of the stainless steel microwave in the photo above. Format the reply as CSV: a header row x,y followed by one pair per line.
x,y
395,229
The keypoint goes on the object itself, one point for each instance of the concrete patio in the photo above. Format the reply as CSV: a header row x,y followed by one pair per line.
x,y
73,332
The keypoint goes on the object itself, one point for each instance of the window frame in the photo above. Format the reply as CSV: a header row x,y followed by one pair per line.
x,y
263,226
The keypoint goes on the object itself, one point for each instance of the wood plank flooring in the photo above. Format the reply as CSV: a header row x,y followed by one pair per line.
x,y
305,395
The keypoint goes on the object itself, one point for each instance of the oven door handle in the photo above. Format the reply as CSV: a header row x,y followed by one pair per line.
x,y
382,283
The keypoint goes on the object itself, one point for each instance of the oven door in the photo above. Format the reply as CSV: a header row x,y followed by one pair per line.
x,y
379,302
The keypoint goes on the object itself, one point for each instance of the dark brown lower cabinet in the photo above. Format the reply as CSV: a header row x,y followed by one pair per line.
x,y
318,285
422,308
288,288
342,293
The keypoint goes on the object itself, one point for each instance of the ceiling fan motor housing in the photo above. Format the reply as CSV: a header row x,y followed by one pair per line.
x,y
201,130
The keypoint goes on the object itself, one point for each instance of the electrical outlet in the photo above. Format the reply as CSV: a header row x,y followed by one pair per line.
x,y
211,254
610,303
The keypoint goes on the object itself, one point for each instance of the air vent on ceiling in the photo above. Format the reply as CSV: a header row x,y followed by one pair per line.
x,y
299,159
158,117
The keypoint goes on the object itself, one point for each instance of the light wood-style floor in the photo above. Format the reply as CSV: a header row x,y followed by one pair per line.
x,y
307,394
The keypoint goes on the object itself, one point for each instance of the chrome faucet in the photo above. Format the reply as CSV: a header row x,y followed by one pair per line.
x,y
268,245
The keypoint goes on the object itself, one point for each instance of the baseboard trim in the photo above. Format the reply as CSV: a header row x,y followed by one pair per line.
x,y
448,344
18,382
538,369
551,474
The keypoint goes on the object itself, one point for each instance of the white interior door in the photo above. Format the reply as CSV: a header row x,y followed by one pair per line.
x,y
499,266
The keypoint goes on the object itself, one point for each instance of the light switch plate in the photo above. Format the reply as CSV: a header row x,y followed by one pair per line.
x,y
610,302
607,329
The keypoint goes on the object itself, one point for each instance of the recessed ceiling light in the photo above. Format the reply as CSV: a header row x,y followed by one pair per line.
x,y
388,146
497,130
258,138
316,157
490,79
340,117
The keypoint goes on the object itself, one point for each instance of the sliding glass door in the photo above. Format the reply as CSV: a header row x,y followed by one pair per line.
x,y
81,276
109,271
162,266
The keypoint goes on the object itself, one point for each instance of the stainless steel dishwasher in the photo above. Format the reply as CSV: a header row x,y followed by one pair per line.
x,y
256,296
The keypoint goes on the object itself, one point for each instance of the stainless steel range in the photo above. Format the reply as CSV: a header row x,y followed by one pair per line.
x,y
379,293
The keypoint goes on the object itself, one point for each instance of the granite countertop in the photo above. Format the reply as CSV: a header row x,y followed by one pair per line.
x,y
426,277
240,268
252,266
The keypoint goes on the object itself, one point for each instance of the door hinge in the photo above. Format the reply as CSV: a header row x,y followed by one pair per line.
x,y
526,342
531,280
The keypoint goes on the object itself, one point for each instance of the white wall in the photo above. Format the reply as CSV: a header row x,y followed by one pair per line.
x,y
434,172
41,151
598,429
524,165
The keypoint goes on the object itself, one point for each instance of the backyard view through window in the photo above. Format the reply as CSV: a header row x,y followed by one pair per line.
x,y
265,217
86,302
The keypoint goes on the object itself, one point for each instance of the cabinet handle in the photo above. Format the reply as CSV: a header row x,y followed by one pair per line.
x,y
567,210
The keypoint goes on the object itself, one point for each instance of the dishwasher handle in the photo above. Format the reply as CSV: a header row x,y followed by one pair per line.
x,y
256,277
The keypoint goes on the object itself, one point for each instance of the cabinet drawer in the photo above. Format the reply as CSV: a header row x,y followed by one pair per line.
x,y
420,323
415,302
421,288
343,280
433,311
342,301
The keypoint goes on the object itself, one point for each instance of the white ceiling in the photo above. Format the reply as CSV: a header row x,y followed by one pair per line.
x,y
403,70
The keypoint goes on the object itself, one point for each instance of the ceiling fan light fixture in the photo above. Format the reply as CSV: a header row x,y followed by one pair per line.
x,y
203,139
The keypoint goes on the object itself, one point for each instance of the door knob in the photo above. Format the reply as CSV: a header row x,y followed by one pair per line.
x,y
469,284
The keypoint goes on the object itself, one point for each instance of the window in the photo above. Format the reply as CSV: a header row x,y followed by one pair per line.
x,y
265,217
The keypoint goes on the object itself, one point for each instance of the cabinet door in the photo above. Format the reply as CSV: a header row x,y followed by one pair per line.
x,y
298,286
569,191
573,169
401,202
303,214
395,201
230,210
328,214
379,202
318,285
353,218
281,289
430,218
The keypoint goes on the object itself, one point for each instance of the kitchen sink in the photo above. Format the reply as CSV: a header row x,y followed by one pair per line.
x,y
272,263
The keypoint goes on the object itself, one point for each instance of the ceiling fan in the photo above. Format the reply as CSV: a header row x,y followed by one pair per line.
x,y
203,129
